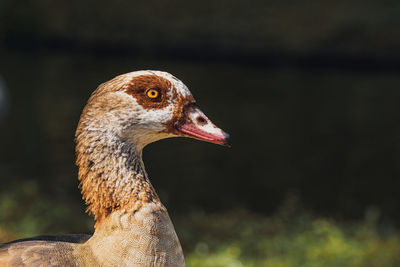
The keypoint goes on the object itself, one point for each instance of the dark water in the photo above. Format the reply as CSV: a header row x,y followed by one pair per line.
x,y
330,136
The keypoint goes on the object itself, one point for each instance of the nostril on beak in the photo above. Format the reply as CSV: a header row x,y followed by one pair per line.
x,y
201,120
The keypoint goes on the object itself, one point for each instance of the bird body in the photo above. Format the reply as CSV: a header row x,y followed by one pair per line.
x,y
132,226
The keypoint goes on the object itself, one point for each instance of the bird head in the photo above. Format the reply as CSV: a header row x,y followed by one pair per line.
x,y
145,106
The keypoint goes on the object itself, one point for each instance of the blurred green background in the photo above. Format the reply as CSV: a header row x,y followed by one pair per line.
x,y
308,90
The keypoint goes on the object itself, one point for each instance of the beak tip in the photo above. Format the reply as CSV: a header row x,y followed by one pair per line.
x,y
228,140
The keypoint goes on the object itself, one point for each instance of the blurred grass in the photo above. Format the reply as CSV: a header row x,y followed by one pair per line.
x,y
242,239
25,212
291,237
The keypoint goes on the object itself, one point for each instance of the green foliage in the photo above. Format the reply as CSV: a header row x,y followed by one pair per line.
x,y
25,212
286,239
291,237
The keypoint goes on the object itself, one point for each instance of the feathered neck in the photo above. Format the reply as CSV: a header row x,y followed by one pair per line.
x,y
111,173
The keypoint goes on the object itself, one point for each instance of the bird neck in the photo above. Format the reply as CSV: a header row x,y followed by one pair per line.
x,y
112,175
131,222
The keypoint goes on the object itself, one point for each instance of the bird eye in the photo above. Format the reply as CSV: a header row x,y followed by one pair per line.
x,y
152,93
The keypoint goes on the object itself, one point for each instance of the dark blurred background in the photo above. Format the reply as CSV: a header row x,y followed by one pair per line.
x,y
308,90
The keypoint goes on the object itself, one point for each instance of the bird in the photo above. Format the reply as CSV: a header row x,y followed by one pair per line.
x,y
132,226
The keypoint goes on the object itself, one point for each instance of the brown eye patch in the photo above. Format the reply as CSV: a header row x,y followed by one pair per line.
x,y
150,91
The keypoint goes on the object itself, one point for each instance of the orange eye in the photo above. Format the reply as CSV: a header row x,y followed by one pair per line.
x,y
152,93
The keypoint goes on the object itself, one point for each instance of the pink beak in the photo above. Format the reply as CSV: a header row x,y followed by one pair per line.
x,y
196,125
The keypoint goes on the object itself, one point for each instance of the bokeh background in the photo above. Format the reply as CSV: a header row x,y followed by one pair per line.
x,y
308,90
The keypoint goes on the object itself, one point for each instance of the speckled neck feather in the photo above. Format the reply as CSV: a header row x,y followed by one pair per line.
x,y
111,171
112,179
